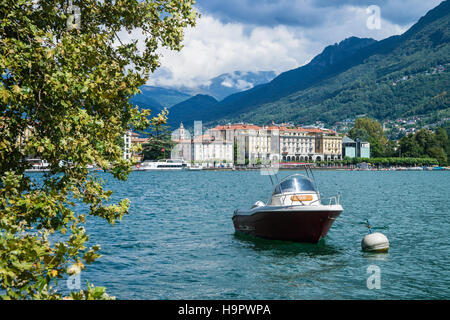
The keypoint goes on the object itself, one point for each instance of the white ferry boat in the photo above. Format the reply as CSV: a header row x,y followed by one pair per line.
x,y
38,165
167,164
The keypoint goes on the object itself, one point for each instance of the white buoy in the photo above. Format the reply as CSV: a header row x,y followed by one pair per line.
x,y
375,242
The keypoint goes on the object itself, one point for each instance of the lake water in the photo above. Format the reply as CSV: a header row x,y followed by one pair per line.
x,y
178,241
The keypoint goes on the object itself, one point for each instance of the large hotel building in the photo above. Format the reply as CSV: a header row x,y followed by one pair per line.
x,y
250,144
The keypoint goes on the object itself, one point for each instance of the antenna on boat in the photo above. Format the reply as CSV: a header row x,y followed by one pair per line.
x,y
267,167
310,172
270,176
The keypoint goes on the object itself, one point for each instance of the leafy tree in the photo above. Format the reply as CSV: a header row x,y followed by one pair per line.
x,y
391,149
409,147
439,154
160,141
64,97
367,129
425,143
443,140
359,133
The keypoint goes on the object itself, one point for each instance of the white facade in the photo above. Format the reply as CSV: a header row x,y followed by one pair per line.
x,y
213,148
259,146
297,145
213,152
183,148
207,149
253,144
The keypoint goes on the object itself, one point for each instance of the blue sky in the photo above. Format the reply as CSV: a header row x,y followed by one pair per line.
x,y
261,35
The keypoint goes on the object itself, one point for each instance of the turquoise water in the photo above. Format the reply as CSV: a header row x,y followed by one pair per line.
x,y
178,241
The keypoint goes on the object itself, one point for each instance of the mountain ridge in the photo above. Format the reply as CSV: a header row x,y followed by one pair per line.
x,y
359,81
189,110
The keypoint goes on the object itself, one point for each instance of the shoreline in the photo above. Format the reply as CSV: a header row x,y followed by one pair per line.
x,y
332,169
292,168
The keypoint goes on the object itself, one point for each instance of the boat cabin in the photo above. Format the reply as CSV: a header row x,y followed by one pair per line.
x,y
296,189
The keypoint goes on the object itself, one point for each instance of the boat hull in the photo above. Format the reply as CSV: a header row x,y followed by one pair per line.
x,y
288,225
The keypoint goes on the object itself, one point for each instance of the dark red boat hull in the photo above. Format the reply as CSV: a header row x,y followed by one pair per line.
x,y
298,226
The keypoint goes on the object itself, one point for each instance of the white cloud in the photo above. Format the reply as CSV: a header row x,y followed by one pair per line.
x,y
227,83
243,85
214,47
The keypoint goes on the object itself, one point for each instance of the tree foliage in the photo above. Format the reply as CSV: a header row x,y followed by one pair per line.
x,y
367,129
426,143
160,141
64,97
384,161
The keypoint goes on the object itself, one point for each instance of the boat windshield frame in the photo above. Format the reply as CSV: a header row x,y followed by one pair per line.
x,y
297,188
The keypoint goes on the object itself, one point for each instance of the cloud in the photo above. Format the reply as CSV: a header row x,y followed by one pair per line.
x,y
309,13
273,35
227,82
264,12
214,48
398,12
243,85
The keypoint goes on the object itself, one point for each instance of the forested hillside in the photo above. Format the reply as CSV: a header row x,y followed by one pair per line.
x,y
400,76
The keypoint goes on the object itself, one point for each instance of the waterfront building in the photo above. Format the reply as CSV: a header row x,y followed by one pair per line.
x,y
352,148
297,144
209,149
328,146
253,144
22,139
212,149
364,149
183,144
348,147
135,139
244,143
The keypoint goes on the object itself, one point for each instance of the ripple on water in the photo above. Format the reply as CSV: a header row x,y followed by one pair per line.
x,y
178,240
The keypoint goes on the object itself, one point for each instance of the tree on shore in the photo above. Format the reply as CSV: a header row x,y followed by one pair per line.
x,y
160,142
67,76
425,143
370,130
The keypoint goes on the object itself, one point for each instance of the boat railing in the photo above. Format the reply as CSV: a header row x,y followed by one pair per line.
x,y
336,198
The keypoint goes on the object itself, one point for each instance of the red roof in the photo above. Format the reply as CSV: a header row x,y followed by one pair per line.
x,y
239,126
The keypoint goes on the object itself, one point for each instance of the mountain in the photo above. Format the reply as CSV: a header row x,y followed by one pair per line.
x,y
156,98
145,102
237,81
190,110
395,77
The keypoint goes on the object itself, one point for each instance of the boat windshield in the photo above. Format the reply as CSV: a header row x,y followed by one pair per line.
x,y
294,184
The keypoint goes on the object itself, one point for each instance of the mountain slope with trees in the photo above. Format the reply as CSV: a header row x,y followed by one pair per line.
x,y
190,110
157,98
399,76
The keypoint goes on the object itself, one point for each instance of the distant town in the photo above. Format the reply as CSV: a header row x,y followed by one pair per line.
x,y
245,143
394,129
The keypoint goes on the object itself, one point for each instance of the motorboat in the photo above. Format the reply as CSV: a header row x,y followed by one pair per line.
x,y
294,212
166,164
